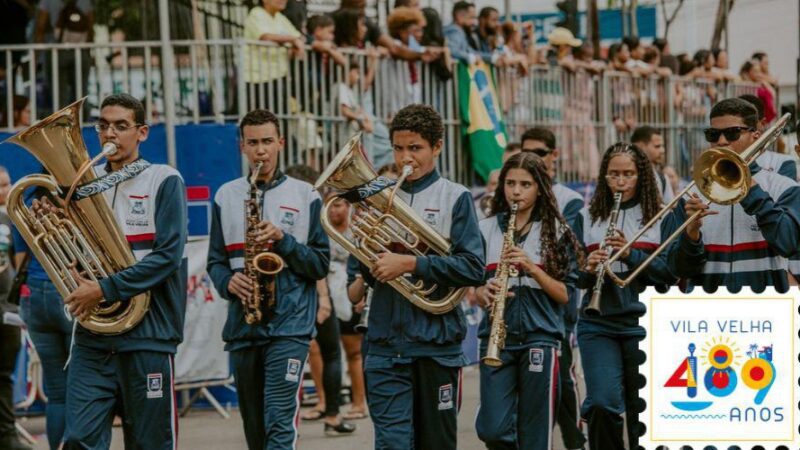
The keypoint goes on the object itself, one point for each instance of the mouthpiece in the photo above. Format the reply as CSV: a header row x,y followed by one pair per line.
x,y
109,149
407,170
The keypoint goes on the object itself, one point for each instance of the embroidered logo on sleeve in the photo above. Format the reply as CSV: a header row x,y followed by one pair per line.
x,y
155,385
445,397
536,360
293,370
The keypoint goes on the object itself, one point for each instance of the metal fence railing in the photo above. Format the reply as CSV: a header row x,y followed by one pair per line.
x,y
220,80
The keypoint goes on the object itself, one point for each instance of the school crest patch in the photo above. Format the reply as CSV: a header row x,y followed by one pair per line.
x,y
445,397
536,360
293,370
155,385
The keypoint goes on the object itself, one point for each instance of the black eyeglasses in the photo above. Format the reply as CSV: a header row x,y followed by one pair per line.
x,y
732,134
540,152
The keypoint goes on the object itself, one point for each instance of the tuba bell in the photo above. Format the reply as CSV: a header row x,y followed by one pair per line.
x,y
380,220
82,233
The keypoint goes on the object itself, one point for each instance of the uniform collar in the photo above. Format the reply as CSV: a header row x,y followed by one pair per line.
x,y
416,186
277,178
754,168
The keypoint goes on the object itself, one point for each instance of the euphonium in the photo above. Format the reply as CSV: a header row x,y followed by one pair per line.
x,y
81,233
593,308
379,220
260,266
497,334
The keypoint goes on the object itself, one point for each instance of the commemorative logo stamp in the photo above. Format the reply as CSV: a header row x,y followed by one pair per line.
x,y
721,368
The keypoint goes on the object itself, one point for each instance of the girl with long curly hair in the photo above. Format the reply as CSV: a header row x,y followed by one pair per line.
x,y
609,341
520,393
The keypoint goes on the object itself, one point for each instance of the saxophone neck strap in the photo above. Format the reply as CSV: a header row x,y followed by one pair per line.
x,y
110,179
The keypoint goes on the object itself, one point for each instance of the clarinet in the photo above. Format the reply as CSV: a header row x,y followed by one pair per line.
x,y
593,308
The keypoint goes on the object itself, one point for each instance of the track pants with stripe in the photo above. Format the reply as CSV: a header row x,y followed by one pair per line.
x,y
268,381
137,385
569,420
519,398
414,405
611,367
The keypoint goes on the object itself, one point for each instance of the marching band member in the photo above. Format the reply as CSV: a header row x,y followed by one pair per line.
x,y
268,355
747,243
519,397
133,371
542,142
414,359
609,342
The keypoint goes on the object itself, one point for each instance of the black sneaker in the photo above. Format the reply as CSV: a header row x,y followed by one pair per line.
x,y
341,429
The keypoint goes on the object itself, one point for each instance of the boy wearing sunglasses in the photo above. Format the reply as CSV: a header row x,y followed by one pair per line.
x,y
747,243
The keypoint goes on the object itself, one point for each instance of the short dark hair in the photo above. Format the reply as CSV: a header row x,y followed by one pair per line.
x,y
736,107
759,56
540,134
631,41
486,11
643,134
755,101
461,6
126,101
513,147
660,44
418,118
302,172
258,117
318,21
399,3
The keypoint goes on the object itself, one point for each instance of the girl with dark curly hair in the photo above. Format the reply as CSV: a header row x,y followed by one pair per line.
x,y
609,342
545,253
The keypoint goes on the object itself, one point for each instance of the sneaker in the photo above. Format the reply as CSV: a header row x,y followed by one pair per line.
x,y
341,429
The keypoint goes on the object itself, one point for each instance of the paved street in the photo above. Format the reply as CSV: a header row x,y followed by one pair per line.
x,y
208,430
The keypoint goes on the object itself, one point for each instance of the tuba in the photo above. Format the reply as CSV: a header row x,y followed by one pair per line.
x,y
380,220
81,234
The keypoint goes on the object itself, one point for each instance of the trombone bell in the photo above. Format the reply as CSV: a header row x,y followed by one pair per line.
x,y
722,176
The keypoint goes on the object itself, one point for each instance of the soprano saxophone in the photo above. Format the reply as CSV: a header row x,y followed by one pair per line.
x,y
260,265
497,334
593,308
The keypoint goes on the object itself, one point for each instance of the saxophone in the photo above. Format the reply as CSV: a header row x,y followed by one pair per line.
x,y
260,265
593,308
497,334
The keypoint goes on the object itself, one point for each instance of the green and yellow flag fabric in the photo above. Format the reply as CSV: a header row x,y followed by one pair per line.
x,y
482,126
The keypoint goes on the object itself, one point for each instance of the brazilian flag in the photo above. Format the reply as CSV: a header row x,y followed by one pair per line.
x,y
481,122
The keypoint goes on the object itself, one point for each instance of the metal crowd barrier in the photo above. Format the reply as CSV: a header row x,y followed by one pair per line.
x,y
214,81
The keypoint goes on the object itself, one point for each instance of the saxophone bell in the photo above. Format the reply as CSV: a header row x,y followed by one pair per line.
x,y
268,263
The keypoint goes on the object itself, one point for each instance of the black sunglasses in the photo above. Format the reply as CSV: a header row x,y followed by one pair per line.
x,y
540,152
732,134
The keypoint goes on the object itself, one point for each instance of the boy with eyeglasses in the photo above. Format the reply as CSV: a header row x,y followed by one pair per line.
x,y
542,142
747,243
131,372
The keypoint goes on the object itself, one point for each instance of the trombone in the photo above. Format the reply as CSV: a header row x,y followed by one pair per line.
x,y
721,175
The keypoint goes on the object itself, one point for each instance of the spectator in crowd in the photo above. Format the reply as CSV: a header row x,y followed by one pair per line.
x,y
13,22
618,56
751,71
297,12
346,313
519,44
483,203
704,64
667,58
433,36
721,65
653,58
651,141
350,28
675,181
563,41
266,69
20,115
685,64
374,35
762,60
9,334
406,3
321,32
773,161
584,59
71,22
488,36
635,64
460,38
